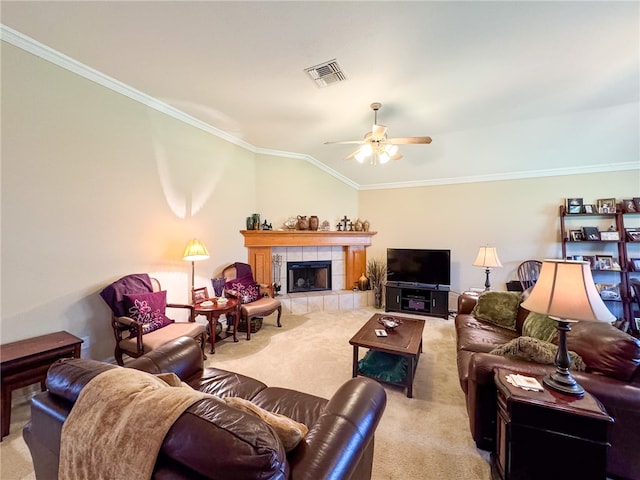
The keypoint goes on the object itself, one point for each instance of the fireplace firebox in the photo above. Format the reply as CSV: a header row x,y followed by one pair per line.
x,y
309,276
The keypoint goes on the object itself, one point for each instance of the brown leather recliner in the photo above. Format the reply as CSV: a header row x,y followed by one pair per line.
x,y
202,444
612,376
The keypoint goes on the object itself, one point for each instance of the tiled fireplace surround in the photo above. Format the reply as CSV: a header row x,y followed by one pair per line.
x,y
346,250
341,297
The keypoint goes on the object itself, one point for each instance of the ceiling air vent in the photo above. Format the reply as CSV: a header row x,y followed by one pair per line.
x,y
326,73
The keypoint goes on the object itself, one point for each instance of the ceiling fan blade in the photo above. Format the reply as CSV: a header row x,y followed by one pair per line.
x,y
409,140
378,132
397,156
345,142
352,155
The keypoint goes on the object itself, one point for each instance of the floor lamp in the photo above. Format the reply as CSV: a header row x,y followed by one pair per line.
x,y
566,293
487,258
194,252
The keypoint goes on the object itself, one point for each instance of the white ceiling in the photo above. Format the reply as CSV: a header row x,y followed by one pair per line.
x,y
456,71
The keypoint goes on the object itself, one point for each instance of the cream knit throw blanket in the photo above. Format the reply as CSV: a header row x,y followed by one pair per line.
x,y
117,425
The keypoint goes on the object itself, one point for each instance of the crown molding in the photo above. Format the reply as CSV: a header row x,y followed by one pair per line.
x,y
311,160
554,172
55,57
28,44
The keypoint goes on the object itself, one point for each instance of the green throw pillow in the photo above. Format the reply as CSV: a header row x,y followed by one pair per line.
x,y
534,350
540,326
499,308
384,366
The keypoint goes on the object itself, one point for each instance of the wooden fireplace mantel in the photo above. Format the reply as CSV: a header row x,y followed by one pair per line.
x,y
260,243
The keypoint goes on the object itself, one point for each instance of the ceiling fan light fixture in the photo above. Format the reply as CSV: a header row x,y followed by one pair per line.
x,y
361,155
377,147
391,150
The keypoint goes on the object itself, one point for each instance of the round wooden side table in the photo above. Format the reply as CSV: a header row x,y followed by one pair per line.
x,y
213,312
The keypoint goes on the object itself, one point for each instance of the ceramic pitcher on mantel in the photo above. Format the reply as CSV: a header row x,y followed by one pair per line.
x,y
303,223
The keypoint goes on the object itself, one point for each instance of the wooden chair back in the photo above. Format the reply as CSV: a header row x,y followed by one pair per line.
x,y
528,273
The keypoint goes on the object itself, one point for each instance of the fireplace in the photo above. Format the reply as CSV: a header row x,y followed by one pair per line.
x,y
352,245
310,276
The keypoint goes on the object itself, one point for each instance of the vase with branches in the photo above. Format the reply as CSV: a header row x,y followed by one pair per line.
x,y
377,273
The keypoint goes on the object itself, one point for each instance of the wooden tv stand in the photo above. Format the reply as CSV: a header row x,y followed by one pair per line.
x,y
432,301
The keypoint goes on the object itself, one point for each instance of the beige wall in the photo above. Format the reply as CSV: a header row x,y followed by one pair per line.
x,y
518,217
290,187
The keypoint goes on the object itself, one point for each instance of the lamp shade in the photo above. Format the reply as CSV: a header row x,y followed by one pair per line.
x,y
195,251
487,257
565,290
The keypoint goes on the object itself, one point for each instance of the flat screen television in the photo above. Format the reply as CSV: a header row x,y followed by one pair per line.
x,y
422,267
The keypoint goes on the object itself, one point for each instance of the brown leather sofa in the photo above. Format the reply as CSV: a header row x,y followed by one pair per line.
x,y
203,443
612,376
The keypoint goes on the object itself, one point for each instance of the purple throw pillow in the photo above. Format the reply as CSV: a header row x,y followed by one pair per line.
x,y
245,288
148,309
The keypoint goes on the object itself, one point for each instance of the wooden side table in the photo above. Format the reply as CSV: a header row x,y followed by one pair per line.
x,y
548,435
213,312
26,362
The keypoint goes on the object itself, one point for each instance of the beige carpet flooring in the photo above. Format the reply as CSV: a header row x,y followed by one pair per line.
x,y
425,437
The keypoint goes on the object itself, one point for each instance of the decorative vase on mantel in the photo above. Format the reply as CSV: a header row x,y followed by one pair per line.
x,y
313,222
303,223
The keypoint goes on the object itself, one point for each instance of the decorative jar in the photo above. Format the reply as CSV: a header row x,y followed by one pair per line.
x,y
303,222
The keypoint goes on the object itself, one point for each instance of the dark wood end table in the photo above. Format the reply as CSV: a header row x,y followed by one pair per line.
x,y
231,309
405,340
26,362
548,434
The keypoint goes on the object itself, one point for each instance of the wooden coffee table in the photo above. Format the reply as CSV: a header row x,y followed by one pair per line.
x,y
405,340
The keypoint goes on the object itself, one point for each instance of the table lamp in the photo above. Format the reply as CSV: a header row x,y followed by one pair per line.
x,y
487,258
194,252
566,293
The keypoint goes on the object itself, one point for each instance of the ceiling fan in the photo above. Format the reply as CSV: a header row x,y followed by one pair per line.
x,y
376,146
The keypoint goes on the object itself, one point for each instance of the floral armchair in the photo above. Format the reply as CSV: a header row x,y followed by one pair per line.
x,y
139,318
256,300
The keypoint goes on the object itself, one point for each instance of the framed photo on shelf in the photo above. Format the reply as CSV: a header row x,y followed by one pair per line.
x,y
576,235
613,235
605,262
574,205
199,295
589,208
608,291
633,234
629,206
590,233
592,261
606,205
635,264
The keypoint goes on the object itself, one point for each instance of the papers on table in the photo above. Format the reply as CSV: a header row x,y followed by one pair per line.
x,y
526,383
